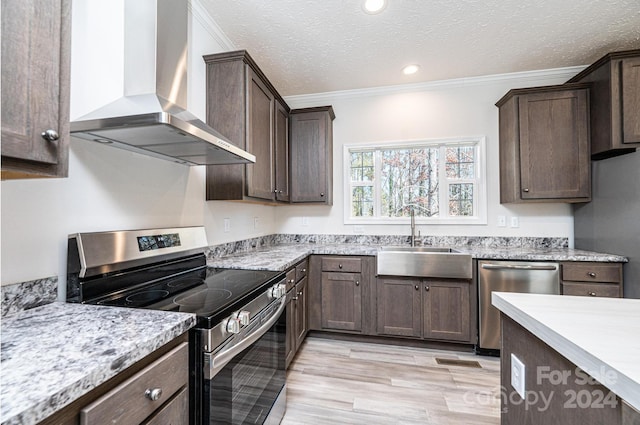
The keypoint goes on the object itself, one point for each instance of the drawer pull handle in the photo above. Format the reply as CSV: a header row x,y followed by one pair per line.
x,y
357,283
339,266
426,288
50,135
153,394
591,274
417,287
592,294
304,270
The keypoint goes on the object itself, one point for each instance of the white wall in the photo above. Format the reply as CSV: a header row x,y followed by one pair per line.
x,y
108,188
456,108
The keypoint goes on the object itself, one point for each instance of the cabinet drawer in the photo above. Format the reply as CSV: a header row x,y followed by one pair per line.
x,y
301,270
291,279
592,272
591,289
128,404
342,264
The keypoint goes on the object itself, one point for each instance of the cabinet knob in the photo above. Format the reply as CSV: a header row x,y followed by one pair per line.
x,y
339,266
357,283
525,190
592,294
321,193
591,274
426,287
295,298
290,280
275,190
50,135
304,270
153,394
417,287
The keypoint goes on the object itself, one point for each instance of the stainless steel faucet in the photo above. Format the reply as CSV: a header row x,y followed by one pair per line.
x,y
413,227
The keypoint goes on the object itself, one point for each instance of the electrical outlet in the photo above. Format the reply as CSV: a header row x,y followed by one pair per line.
x,y
255,222
502,221
515,222
227,225
517,375
305,221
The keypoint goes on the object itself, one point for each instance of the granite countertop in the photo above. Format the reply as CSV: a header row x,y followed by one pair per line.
x,y
605,344
53,354
284,256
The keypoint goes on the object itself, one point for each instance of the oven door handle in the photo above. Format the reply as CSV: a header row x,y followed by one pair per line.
x,y
213,363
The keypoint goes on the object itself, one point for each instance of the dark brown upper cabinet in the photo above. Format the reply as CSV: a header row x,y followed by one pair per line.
x,y
544,144
615,103
243,106
311,147
36,42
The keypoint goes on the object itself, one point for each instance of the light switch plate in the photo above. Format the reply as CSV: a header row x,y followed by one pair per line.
x,y
517,375
515,222
305,221
502,221
227,225
255,222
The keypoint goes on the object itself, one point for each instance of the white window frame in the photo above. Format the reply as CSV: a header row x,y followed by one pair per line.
x,y
480,196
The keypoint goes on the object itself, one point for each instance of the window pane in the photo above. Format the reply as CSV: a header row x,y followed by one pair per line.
x,y
362,166
460,162
461,199
362,201
409,179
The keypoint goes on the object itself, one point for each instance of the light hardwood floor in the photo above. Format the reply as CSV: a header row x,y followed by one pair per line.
x,y
341,382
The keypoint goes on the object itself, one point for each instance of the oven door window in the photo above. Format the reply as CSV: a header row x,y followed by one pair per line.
x,y
244,391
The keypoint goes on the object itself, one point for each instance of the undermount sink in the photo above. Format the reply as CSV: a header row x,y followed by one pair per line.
x,y
424,261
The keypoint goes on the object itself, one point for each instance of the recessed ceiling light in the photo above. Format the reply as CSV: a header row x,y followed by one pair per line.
x,y
374,6
410,69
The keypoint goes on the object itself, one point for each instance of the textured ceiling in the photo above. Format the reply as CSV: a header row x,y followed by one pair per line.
x,y
327,45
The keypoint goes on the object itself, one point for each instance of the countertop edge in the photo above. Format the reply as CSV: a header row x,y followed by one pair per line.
x,y
98,375
623,386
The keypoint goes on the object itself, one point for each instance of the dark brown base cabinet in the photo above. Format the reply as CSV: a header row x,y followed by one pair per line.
x,y
570,400
424,308
122,399
544,144
297,309
36,45
341,294
615,103
592,279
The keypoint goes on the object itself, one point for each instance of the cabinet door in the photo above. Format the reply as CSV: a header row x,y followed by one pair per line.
x,y
630,94
311,153
301,326
281,167
341,301
554,145
35,87
260,109
399,307
290,342
447,310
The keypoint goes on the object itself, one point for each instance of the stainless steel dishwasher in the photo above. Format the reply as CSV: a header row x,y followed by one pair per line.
x,y
509,276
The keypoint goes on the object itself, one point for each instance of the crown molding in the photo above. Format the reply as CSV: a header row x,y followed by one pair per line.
x,y
200,13
525,77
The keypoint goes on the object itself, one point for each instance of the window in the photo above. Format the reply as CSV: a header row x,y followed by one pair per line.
x,y
441,181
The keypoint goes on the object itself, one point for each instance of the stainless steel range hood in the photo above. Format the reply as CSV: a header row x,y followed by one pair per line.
x,y
151,117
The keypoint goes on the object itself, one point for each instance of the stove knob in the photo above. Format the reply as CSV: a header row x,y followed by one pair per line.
x,y
244,317
233,325
278,290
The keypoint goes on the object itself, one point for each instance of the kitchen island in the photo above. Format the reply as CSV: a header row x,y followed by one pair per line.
x,y
580,356
54,354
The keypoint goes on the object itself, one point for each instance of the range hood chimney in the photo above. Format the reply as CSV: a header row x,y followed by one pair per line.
x,y
152,118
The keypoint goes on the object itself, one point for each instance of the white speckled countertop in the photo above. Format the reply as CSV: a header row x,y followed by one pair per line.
x,y
284,256
53,354
599,335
